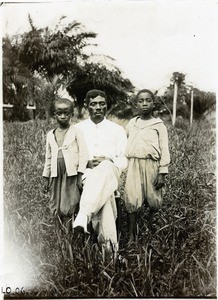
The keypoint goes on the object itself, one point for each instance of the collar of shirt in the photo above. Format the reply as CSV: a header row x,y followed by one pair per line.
x,y
146,123
98,125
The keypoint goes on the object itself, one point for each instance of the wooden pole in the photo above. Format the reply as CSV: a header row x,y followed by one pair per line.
x,y
175,101
192,104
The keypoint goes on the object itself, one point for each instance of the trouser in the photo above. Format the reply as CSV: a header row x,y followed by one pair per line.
x,y
139,186
98,201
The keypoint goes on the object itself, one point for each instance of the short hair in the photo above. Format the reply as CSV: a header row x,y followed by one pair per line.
x,y
93,94
62,100
145,91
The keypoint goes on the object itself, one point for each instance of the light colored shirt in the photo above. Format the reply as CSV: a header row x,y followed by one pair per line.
x,y
105,139
74,151
148,139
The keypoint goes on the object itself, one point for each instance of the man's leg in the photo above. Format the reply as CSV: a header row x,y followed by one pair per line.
x,y
104,223
119,212
99,186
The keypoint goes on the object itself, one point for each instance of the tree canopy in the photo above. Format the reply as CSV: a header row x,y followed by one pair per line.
x,y
57,58
97,76
55,52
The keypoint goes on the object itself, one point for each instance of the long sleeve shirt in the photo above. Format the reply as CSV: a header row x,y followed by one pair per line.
x,y
74,151
105,139
148,139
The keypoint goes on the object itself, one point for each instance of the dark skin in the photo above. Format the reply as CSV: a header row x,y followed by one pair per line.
x,y
63,113
97,108
145,106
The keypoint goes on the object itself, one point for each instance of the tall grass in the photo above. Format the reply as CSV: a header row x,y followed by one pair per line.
x,y
176,258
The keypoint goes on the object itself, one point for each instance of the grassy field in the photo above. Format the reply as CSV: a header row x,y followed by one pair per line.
x,y
177,259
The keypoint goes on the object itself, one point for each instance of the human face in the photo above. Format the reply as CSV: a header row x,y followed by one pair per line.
x,y
63,114
145,104
97,108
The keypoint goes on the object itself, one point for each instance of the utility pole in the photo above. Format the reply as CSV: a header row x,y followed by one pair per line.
x,y
175,100
190,90
192,105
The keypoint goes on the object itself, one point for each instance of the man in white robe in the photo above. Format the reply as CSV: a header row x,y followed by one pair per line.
x,y
106,142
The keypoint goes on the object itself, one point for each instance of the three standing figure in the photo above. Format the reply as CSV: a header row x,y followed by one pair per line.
x,y
93,154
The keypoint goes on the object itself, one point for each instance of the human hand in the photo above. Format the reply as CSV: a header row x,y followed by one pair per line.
x,y
45,184
91,164
96,161
159,181
79,181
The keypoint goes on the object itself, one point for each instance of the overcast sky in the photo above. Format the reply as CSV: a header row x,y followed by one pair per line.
x,y
148,39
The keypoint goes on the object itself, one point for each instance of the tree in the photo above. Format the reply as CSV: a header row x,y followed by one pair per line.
x,y
58,58
203,101
60,54
18,81
178,79
57,52
41,57
177,97
97,76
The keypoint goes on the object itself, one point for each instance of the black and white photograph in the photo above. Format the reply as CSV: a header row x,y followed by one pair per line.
x,y
108,139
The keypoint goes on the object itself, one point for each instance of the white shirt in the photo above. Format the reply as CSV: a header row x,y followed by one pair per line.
x,y
105,139
148,138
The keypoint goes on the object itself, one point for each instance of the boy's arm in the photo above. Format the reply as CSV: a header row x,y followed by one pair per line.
x,y
47,166
83,151
159,181
45,184
164,149
79,181
120,159
127,129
